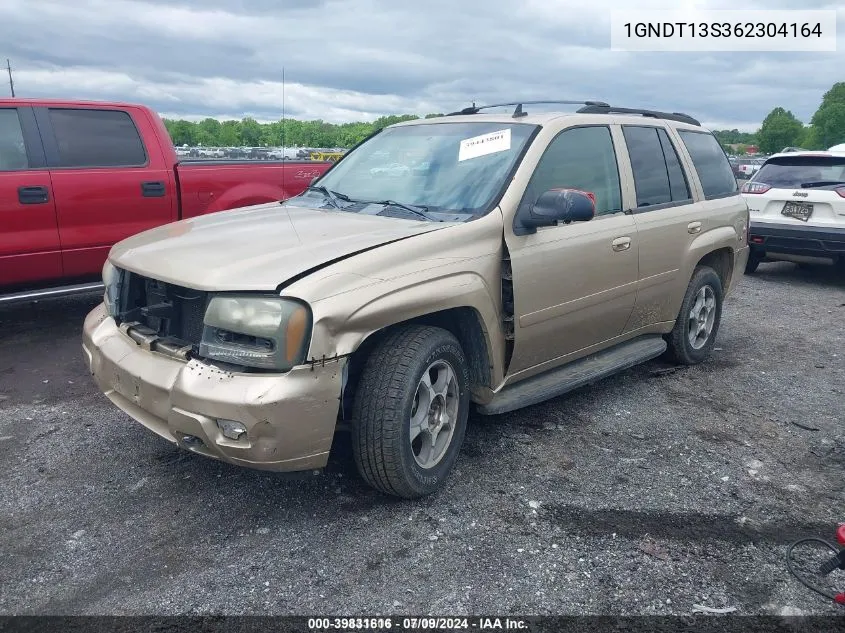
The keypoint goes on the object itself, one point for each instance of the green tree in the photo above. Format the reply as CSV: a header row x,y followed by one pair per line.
x,y
251,132
731,137
779,129
829,120
229,134
181,132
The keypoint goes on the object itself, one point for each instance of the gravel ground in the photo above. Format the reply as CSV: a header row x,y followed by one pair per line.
x,y
648,493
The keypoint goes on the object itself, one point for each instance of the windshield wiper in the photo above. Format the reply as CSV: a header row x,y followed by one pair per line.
x,y
334,196
821,183
416,210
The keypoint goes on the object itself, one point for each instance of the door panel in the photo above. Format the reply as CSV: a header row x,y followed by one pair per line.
x,y
574,285
572,288
29,236
106,183
667,218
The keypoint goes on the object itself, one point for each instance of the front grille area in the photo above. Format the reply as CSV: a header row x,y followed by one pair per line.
x,y
172,312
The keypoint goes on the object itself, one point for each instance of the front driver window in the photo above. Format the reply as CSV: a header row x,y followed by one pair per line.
x,y
580,158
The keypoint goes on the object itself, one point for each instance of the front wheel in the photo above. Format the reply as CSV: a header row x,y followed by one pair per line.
x,y
410,411
694,335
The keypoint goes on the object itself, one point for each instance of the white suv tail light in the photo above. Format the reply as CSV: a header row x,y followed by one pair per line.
x,y
760,187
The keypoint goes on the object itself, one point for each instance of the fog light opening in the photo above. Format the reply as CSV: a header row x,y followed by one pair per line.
x,y
192,440
231,429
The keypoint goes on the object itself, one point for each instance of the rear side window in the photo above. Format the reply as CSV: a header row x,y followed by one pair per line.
x,y
797,171
12,149
97,138
658,176
711,163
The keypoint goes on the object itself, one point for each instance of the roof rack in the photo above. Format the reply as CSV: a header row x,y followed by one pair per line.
x,y
669,116
519,112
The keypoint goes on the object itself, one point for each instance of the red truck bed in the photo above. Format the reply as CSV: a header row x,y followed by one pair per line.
x,y
78,176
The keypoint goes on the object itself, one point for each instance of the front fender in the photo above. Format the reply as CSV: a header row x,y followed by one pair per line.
x,y
339,332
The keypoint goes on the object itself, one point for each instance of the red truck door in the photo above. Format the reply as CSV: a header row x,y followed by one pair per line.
x,y
29,236
108,182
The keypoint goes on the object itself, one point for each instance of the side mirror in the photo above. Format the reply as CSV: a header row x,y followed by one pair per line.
x,y
561,205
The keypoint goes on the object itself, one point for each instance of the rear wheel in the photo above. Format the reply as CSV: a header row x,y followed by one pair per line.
x,y
694,335
410,411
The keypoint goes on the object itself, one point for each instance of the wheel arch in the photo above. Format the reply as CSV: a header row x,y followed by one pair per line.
x,y
722,261
464,322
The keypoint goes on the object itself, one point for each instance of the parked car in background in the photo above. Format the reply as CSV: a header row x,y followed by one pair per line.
x,y
797,206
78,176
747,167
535,254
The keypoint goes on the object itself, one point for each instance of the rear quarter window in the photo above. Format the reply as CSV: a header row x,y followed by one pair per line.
x,y
711,163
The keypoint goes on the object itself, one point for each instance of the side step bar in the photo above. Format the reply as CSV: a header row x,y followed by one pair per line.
x,y
51,293
574,375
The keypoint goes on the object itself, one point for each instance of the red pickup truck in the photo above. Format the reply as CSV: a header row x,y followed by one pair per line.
x,y
78,176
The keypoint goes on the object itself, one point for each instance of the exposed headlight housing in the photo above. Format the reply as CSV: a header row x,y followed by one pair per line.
x,y
261,332
111,280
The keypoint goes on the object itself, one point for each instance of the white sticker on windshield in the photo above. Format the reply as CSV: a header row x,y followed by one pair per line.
x,y
485,144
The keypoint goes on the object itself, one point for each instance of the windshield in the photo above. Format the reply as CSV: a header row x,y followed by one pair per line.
x,y
792,172
440,168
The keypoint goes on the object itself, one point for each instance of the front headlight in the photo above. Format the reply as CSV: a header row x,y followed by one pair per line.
x,y
262,332
111,280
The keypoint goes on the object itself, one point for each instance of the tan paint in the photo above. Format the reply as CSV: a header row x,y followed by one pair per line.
x,y
575,294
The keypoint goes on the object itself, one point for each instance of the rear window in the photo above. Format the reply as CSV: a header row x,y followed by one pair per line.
x,y
711,163
794,171
97,138
12,150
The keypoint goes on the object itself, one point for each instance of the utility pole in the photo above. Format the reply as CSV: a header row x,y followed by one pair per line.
x,y
11,81
283,113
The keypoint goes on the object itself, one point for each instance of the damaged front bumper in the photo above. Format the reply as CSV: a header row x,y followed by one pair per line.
x,y
289,418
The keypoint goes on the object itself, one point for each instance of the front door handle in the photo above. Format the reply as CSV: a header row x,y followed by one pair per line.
x,y
621,244
33,195
694,227
154,189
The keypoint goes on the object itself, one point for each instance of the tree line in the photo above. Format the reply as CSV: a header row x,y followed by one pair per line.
x,y
289,133
781,128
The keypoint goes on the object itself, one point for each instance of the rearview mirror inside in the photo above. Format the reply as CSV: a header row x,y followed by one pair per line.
x,y
561,205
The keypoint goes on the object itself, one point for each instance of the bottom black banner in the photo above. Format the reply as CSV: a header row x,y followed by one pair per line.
x,y
527,624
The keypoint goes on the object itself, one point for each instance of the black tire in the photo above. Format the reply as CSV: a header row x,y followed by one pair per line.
x,y
384,400
754,260
681,349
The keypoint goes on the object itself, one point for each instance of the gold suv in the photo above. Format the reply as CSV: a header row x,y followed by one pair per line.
x,y
493,259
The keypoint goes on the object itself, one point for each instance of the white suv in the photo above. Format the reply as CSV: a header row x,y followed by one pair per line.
x,y
797,207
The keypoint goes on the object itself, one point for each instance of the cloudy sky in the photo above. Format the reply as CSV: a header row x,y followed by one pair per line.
x,y
358,59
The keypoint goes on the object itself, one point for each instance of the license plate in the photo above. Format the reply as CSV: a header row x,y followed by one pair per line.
x,y
798,210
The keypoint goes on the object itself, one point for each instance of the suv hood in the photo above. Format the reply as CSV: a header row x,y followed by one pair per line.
x,y
258,247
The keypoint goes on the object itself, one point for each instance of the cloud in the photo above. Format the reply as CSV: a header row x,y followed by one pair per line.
x,y
359,59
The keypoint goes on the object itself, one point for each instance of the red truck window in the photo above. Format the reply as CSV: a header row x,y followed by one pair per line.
x,y
12,149
97,138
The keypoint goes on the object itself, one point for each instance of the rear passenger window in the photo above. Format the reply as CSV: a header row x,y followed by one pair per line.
x,y
12,149
658,176
651,179
677,179
711,163
97,138
580,158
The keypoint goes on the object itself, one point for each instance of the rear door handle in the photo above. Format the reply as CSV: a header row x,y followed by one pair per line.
x,y
153,189
621,244
33,195
694,227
